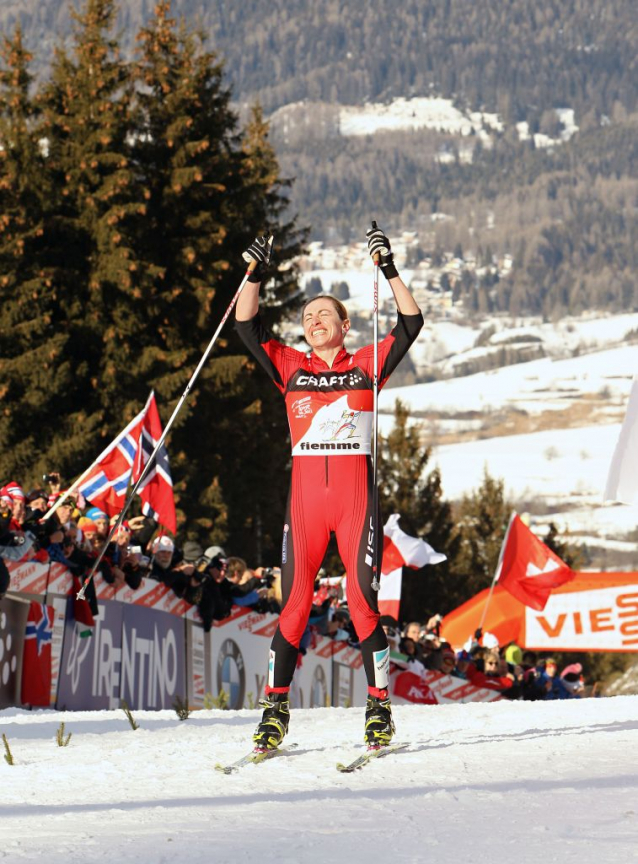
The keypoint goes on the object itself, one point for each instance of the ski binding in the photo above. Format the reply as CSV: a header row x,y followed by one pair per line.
x,y
255,757
368,756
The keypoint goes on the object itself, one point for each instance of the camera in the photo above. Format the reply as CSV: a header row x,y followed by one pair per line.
x,y
267,577
54,477
203,566
137,553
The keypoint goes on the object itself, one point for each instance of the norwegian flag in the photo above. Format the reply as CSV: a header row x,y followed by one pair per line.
x,y
399,551
105,487
528,568
156,490
36,660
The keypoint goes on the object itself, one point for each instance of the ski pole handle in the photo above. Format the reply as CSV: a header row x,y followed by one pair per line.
x,y
376,255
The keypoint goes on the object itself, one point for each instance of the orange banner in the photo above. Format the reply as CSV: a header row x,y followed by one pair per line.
x,y
594,612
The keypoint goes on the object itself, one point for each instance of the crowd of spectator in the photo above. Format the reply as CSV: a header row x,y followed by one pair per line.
x,y
74,535
513,672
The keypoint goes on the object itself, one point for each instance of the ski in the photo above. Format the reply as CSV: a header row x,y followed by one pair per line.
x,y
253,758
368,756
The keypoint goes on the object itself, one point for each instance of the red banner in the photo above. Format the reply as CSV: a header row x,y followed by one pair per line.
x,y
434,688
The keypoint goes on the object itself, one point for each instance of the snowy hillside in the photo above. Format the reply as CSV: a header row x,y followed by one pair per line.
x,y
322,119
528,782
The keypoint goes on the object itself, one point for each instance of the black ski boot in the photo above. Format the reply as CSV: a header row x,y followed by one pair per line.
x,y
379,724
274,722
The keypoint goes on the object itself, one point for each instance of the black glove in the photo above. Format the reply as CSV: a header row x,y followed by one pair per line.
x,y
378,244
259,251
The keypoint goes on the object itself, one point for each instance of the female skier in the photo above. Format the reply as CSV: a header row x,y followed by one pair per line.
x,y
329,400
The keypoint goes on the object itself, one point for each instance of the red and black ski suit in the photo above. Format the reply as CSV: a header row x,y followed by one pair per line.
x,y
330,416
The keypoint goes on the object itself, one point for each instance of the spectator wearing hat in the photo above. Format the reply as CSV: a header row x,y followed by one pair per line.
x,y
37,501
193,553
555,687
100,519
210,589
91,542
572,677
213,552
15,493
14,544
165,565
64,513
463,660
513,656
43,532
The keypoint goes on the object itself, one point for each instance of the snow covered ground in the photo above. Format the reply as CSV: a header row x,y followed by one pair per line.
x,y
523,782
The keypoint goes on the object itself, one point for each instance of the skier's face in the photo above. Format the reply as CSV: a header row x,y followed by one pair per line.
x,y
322,326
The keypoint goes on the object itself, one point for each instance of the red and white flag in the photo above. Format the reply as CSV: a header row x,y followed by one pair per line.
x,y
529,569
36,660
105,487
399,551
82,611
156,490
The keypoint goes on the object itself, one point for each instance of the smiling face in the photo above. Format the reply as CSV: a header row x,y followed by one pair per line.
x,y
323,328
64,512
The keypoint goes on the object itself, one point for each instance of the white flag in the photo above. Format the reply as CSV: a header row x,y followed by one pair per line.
x,y
622,482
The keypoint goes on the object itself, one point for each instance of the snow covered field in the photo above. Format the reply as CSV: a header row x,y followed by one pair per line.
x,y
523,782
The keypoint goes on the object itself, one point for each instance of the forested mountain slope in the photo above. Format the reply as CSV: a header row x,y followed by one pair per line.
x,y
550,180
513,56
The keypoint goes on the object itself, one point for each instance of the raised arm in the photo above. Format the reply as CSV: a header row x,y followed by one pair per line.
x,y
248,301
378,244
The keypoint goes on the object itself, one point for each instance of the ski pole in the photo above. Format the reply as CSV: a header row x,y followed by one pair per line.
x,y
151,460
375,420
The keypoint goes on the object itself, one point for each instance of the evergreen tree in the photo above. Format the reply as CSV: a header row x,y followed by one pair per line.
x,y
340,290
257,492
121,249
93,203
210,191
417,497
31,336
571,555
481,523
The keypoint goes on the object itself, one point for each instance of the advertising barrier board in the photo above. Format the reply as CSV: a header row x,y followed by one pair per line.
x,y
13,622
89,677
153,658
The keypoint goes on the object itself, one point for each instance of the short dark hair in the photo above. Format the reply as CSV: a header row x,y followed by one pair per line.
x,y
341,309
